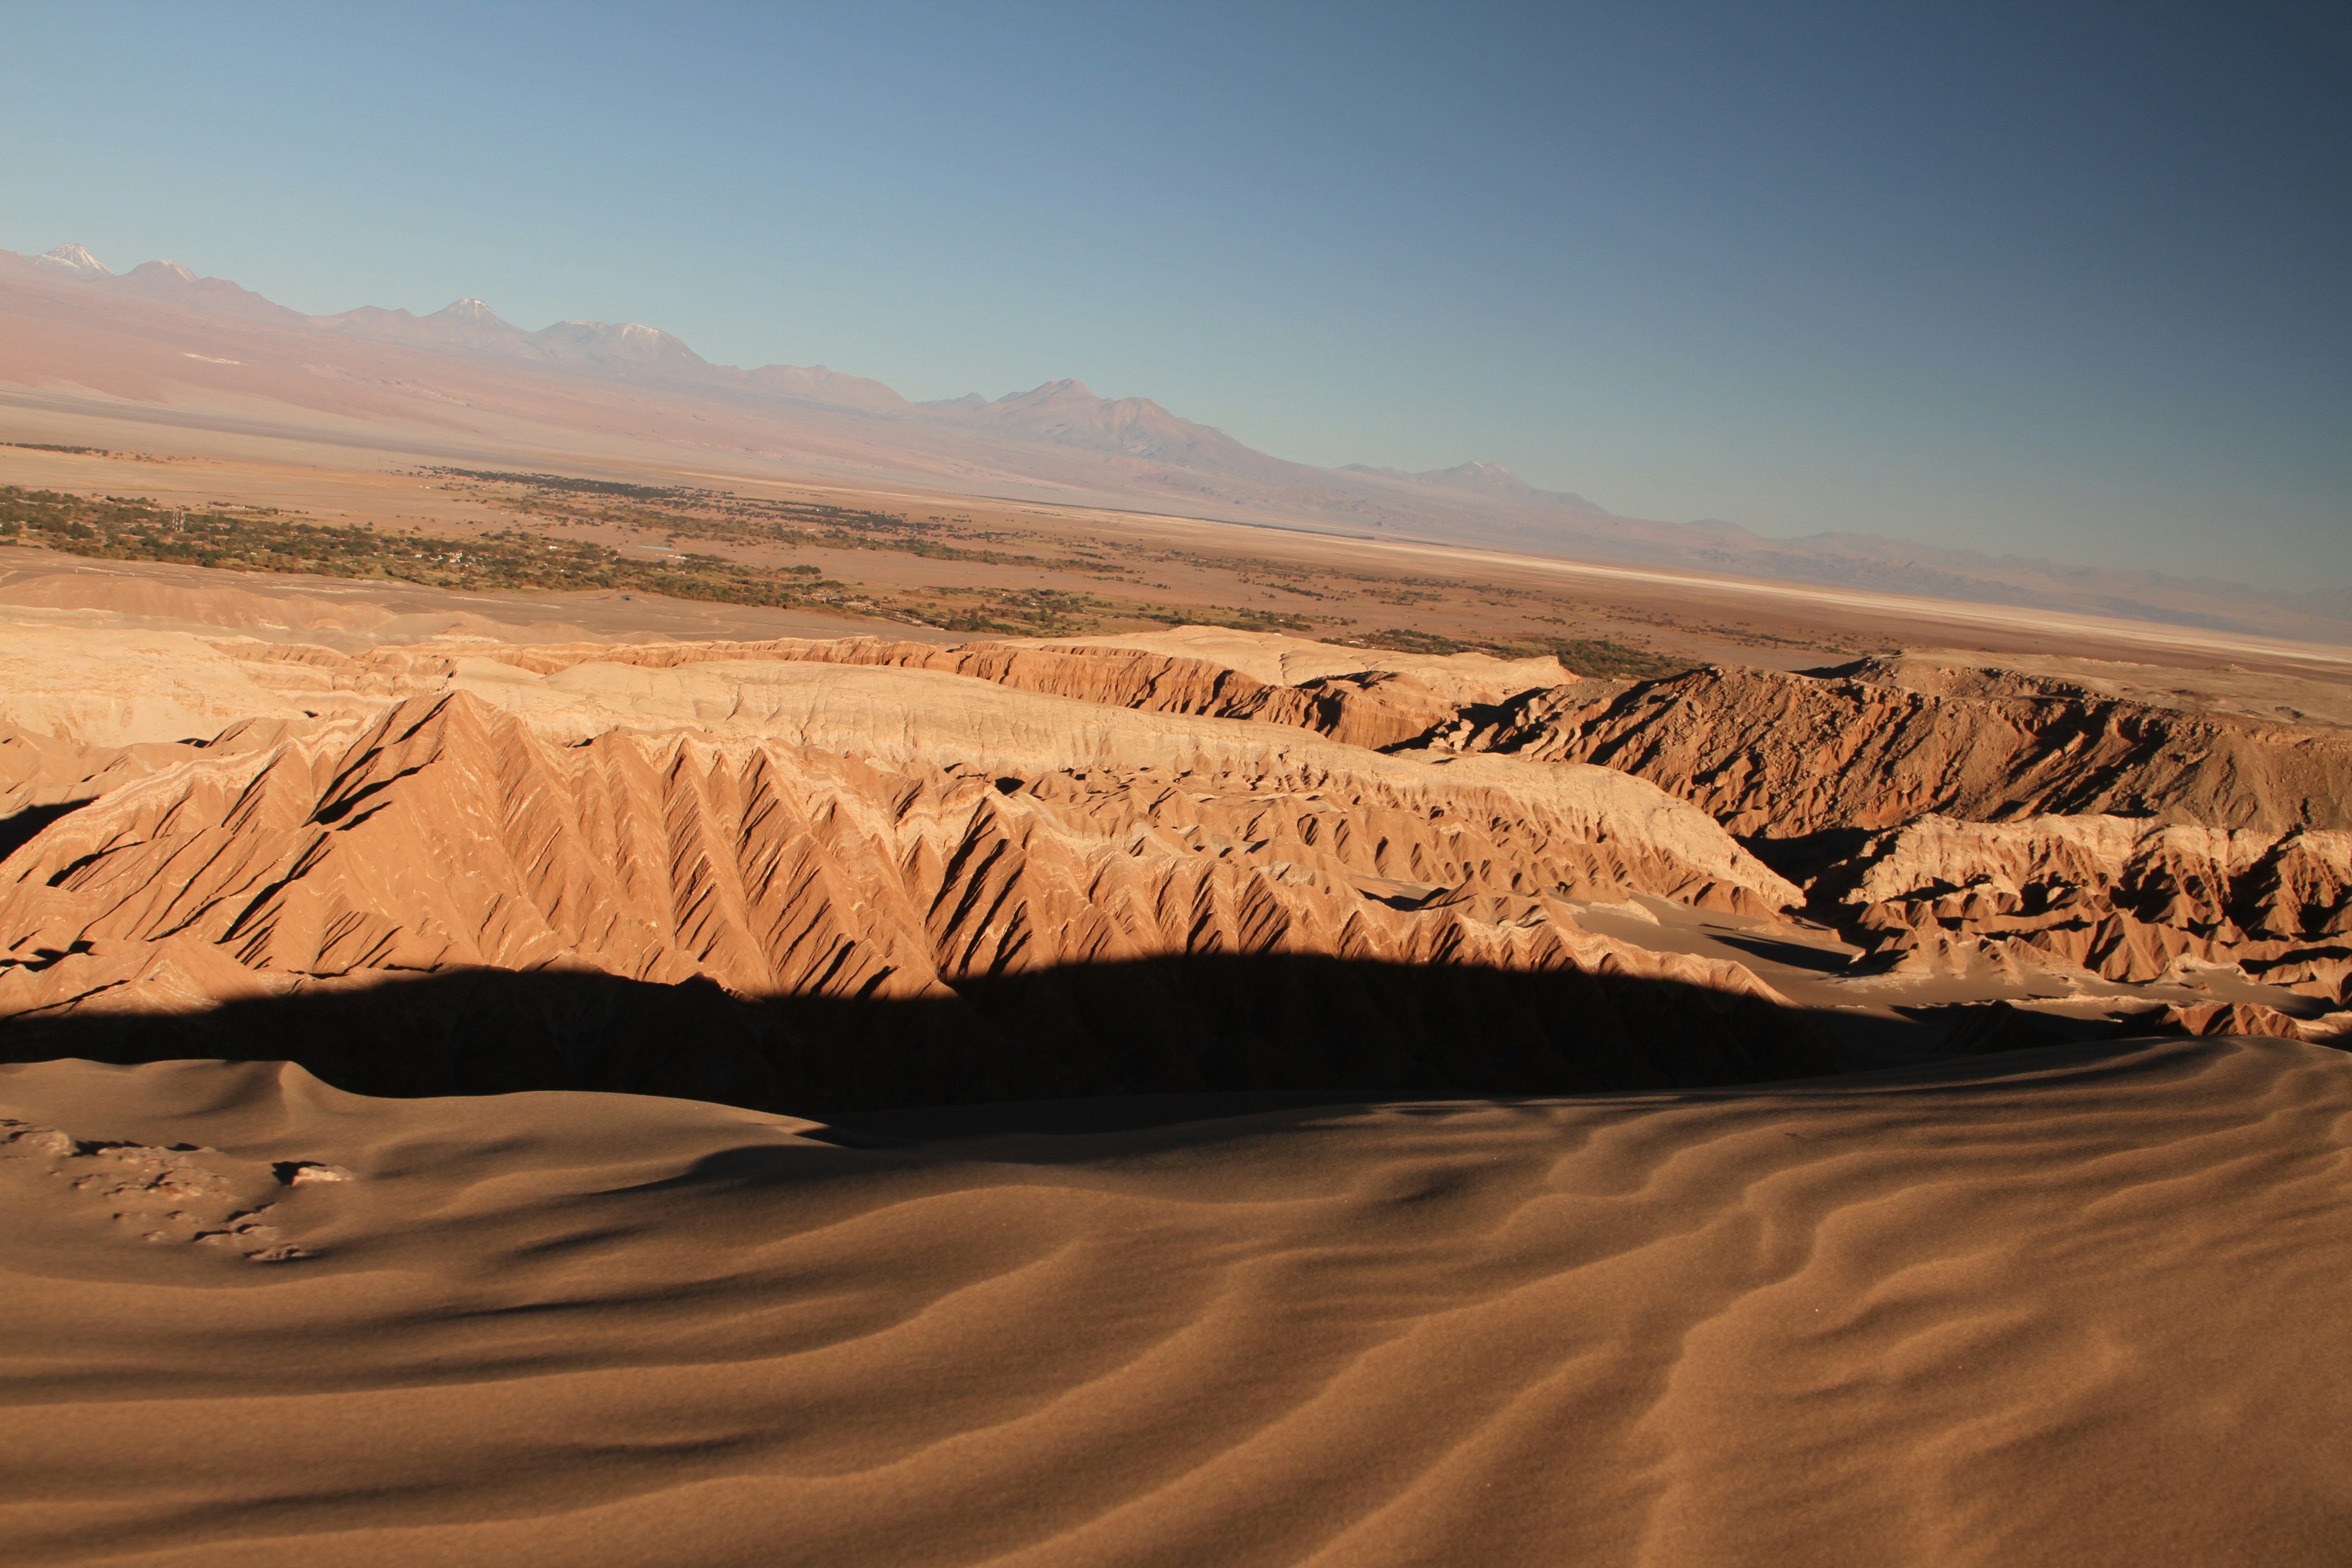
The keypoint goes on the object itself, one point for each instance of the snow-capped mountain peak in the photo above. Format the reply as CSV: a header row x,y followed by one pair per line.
x,y
74,259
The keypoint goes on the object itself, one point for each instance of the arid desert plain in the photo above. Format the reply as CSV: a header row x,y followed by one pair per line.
x,y
572,997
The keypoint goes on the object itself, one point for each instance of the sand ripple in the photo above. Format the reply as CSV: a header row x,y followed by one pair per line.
x,y
2080,1307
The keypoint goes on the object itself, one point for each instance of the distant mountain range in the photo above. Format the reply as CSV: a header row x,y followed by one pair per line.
x,y
1485,479
161,334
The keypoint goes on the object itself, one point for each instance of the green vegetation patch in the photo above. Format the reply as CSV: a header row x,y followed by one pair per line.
x,y
260,539
1013,611
264,539
680,511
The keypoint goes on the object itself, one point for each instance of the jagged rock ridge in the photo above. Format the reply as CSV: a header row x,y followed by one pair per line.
x,y
445,835
1374,709
1782,756
867,819
448,838
2035,825
2125,899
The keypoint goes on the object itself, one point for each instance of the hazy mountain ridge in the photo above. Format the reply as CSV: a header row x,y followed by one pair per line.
x,y
1062,437
1482,478
818,384
173,284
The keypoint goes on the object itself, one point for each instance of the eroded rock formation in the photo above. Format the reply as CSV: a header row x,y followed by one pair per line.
x,y
2124,899
1781,755
1377,708
447,835
1969,821
874,822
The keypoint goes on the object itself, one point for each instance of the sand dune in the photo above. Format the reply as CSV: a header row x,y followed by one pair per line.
x,y
1832,1322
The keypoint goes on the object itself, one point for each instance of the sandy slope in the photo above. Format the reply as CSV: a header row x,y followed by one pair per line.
x,y
2078,1307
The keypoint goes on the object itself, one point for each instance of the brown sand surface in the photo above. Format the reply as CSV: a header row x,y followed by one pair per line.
x,y
2078,1306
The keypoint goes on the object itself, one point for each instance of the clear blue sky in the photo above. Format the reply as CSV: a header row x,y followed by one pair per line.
x,y
2073,280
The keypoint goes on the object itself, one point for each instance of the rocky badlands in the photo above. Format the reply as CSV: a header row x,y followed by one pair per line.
x,y
1184,1096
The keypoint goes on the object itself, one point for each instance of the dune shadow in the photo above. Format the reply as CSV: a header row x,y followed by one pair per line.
x,y
1795,955
1253,1032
